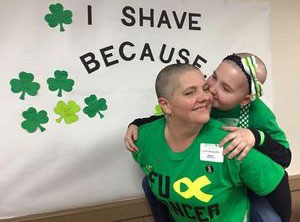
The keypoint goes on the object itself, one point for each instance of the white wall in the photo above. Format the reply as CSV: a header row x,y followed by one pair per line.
x,y
285,39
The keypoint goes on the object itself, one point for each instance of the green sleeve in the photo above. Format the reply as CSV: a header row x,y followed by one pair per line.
x,y
260,173
262,118
136,156
145,134
140,143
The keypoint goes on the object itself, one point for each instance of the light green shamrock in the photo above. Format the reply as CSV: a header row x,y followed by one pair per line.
x,y
158,111
67,111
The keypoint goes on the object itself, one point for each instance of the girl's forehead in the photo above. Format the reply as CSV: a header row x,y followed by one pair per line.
x,y
230,71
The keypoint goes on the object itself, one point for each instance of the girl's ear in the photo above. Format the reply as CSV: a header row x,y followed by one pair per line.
x,y
165,106
246,100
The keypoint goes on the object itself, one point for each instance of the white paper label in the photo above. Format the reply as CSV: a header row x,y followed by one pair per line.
x,y
211,152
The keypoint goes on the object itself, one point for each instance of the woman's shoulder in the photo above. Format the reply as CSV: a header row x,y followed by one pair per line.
x,y
152,126
213,128
147,132
215,125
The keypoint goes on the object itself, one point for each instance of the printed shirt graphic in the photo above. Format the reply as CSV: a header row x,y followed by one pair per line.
x,y
197,190
260,117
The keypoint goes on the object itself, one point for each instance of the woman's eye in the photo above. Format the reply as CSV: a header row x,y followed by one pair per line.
x,y
189,93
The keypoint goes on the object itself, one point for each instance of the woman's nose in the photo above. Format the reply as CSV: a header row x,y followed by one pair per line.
x,y
204,96
208,95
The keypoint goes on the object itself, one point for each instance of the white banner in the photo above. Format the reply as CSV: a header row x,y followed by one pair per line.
x,y
75,73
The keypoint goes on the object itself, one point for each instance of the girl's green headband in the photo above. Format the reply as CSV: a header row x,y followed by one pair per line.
x,y
250,65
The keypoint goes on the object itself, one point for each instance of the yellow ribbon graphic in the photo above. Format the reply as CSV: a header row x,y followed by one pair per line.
x,y
194,188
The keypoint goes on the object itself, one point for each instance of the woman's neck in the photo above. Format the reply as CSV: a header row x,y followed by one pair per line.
x,y
180,136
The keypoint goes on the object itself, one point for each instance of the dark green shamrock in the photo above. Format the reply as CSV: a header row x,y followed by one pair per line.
x,y
34,120
24,84
58,16
94,106
60,82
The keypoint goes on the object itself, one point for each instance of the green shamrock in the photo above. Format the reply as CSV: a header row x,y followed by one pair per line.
x,y
60,82
94,106
58,16
24,84
158,110
67,111
34,120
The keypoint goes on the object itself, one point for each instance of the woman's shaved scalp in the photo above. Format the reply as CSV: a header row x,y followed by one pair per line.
x,y
167,79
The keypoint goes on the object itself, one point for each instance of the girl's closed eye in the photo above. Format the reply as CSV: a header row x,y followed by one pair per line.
x,y
226,88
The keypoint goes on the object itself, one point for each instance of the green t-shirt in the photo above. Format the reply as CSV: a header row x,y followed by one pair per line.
x,y
260,118
198,190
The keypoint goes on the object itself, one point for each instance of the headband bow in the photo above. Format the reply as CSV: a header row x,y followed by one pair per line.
x,y
249,66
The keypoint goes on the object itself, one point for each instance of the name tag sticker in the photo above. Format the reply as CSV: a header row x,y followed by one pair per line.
x,y
211,152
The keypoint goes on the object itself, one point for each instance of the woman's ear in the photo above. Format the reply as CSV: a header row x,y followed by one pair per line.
x,y
165,106
246,100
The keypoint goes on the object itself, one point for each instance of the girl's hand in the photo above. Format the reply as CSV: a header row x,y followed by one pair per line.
x,y
130,137
242,140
